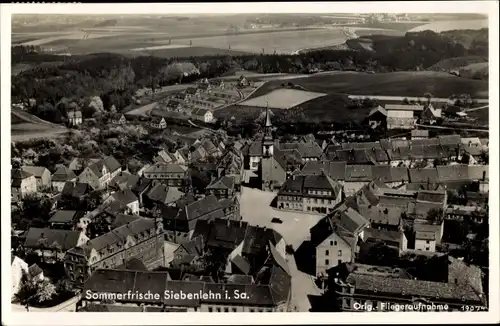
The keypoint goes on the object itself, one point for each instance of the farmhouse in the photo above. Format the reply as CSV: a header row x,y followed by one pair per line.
x,y
75,118
174,105
99,174
430,114
174,175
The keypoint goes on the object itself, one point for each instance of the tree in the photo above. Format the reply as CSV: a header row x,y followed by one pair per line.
x,y
214,263
429,97
35,291
435,215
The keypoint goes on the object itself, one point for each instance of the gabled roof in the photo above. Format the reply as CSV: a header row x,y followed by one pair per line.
x,y
404,107
37,171
125,196
224,182
125,180
63,174
378,109
456,172
334,170
18,176
66,216
306,150
166,168
75,189
51,238
164,194
355,173
426,175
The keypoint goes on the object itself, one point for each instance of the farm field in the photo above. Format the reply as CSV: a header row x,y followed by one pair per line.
x,y
282,98
415,84
441,26
25,126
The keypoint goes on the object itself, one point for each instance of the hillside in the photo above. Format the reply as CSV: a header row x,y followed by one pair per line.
x,y
416,84
457,63
475,71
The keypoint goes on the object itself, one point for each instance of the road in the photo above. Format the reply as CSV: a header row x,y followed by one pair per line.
x,y
476,109
452,128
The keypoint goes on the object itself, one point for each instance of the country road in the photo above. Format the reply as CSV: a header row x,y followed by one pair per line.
x,y
452,128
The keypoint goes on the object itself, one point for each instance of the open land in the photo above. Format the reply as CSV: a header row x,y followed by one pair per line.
x,y
441,26
402,84
282,98
25,126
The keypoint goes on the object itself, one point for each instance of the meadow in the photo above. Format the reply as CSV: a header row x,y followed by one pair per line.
x,y
441,26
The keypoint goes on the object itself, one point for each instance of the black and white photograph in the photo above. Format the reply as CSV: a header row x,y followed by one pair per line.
x,y
265,161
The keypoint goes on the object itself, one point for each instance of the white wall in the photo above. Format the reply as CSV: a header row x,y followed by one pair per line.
x,y
424,246
334,243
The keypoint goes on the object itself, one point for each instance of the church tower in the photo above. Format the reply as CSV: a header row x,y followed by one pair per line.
x,y
267,161
268,141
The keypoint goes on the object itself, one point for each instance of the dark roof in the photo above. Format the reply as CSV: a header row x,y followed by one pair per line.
x,y
125,196
411,287
224,182
164,194
387,215
334,170
383,235
133,264
424,175
421,235
190,90
141,185
125,180
51,238
309,149
17,176
356,173
166,168
388,174
300,184
458,172
37,171
64,216
34,270
255,148
63,174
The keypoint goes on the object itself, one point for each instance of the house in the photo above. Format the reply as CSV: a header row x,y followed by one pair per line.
x,y
222,187
309,151
394,239
336,237
204,88
22,184
75,190
75,118
158,123
207,208
141,188
124,180
419,134
127,198
66,219
425,228
356,176
18,268
216,83
78,164
333,169
41,174
192,92
118,119
162,194
183,97
377,117
203,115
232,165
400,119
430,115
52,244
243,82
382,288
425,241
310,193
174,175
35,272
141,238
174,105
61,176
164,156
99,174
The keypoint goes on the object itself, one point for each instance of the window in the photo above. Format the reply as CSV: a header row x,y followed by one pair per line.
x,y
335,243
427,242
327,252
331,243
226,309
235,310
327,262
252,310
340,252
218,309
339,262
210,309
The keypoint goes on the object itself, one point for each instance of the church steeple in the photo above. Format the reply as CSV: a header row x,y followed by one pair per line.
x,y
268,141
